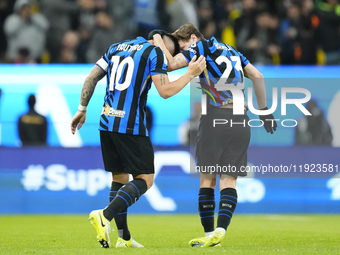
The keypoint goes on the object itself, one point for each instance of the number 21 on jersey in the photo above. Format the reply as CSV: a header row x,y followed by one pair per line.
x,y
227,71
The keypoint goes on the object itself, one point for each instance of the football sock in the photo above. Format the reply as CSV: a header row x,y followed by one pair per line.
x,y
206,208
121,218
228,202
220,230
126,196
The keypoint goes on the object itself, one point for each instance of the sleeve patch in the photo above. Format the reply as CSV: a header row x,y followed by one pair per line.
x,y
102,64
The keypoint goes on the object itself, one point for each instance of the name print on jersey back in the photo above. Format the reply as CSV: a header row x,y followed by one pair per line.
x,y
127,47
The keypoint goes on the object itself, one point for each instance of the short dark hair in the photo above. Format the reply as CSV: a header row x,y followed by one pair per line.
x,y
162,34
175,41
185,31
156,31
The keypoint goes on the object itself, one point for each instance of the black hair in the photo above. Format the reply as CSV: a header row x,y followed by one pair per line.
x,y
156,31
163,33
175,41
31,101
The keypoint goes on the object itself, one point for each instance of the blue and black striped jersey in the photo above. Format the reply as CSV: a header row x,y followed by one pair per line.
x,y
224,64
129,66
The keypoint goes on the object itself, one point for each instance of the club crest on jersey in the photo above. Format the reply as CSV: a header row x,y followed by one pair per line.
x,y
107,110
192,50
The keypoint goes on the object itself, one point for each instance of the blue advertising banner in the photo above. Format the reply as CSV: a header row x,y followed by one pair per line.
x,y
71,180
57,88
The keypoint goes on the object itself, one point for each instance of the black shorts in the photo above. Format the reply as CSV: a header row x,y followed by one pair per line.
x,y
124,153
222,149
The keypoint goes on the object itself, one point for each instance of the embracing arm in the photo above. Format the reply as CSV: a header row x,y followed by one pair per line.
x,y
175,62
167,89
90,83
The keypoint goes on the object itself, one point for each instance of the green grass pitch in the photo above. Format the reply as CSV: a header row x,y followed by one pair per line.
x,y
169,234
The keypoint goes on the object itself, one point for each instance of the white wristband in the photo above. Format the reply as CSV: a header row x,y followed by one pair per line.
x,y
82,108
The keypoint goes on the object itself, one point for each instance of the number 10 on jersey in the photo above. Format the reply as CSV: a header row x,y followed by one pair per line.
x,y
117,71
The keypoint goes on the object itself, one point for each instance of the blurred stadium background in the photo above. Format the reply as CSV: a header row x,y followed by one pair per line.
x,y
47,47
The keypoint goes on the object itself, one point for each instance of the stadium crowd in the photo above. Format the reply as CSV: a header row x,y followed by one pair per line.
x,y
79,31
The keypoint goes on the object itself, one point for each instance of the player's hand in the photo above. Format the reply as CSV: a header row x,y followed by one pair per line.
x,y
78,121
195,68
269,122
157,39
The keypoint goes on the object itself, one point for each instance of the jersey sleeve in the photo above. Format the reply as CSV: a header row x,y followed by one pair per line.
x,y
103,62
188,55
158,62
244,60
195,49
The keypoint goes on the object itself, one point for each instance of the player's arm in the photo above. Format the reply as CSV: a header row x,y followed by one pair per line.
x,y
257,79
89,85
258,84
175,62
167,89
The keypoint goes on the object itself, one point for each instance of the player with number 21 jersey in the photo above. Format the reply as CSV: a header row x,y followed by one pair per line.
x,y
223,63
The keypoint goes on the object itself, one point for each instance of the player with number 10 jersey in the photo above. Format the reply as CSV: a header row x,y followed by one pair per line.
x,y
129,66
